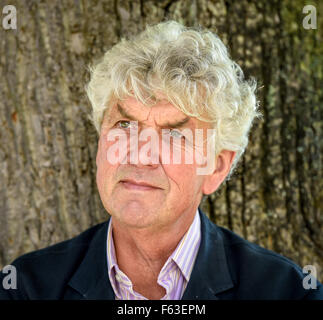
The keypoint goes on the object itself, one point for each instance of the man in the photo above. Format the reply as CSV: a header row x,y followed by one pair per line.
x,y
173,113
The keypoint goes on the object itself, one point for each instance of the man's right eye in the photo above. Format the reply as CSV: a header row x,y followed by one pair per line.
x,y
123,124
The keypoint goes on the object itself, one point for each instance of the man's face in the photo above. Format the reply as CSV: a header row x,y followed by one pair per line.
x,y
150,195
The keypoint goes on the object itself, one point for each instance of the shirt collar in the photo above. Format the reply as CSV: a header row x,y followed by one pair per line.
x,y
186,251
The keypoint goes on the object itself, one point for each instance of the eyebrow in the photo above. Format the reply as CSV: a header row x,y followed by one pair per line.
x,y
173,125
124,113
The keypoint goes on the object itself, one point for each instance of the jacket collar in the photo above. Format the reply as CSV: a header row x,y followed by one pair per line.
x,y
210,274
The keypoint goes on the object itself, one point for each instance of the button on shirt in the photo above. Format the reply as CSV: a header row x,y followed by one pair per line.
x,y
173,276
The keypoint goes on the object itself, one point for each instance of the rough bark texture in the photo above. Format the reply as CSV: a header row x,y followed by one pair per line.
x,y
48,146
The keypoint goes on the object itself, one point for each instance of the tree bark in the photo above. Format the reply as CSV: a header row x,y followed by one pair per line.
x,y
48,146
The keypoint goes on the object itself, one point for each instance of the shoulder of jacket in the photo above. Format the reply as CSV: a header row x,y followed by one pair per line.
x,y
61,250
237,246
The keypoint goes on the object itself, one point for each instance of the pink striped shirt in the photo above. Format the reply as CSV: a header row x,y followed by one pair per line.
x,y
173,276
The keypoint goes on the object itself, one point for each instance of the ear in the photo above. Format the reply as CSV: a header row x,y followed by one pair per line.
x,y
223,165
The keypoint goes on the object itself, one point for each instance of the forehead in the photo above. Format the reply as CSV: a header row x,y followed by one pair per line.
x,y
161,109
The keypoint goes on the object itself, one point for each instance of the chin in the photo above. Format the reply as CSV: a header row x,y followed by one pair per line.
x,y
135,214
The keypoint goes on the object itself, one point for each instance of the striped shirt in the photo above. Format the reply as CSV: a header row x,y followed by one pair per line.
x,y
173,276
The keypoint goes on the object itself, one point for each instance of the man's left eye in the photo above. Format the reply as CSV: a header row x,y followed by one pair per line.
x,y
176,134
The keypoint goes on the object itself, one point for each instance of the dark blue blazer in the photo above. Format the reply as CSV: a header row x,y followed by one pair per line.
x,y
227,268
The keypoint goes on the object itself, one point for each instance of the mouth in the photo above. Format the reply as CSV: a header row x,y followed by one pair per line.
x,y
138,185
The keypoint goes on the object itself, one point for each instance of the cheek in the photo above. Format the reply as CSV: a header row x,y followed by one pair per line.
x,y
104,168
100,156
102,153
184,180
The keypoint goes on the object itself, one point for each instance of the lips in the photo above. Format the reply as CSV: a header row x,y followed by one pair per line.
x,y
137,185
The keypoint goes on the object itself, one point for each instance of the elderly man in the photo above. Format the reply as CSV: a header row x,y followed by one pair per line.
x,y
173,113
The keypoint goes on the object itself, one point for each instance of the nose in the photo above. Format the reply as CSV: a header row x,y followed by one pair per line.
x,y
144,151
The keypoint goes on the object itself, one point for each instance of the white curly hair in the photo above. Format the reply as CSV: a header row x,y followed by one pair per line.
x,y
191,67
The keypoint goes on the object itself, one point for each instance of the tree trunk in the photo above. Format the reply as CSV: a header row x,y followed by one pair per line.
x,y
48,146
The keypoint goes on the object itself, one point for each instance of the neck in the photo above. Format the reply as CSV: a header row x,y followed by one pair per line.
x,y
146,250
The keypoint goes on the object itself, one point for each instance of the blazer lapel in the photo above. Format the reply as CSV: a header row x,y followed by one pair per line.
x,y
210,274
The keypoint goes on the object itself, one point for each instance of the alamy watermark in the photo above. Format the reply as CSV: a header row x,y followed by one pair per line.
x,y
10,280
309,281
9,17
309,21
